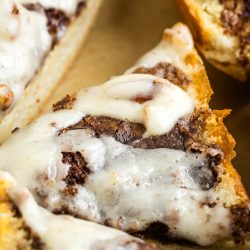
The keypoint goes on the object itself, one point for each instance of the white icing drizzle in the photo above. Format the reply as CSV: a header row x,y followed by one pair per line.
x,y
128,187
65,232
67,6
116,99
177,44
24,41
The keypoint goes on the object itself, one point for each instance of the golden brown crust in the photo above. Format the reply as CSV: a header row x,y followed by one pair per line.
x,y
12,233
212,41
200,81
216,132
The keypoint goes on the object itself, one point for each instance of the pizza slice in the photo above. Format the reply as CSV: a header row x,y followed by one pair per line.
x,y
38,41
142,152
27,226
221,29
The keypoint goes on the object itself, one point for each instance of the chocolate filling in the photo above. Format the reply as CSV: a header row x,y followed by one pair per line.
x,y
184,136
167,71
66,103
241,222
57,23
123,131
77,172
235,19
58,20
181,137
34,240
131,133
160,232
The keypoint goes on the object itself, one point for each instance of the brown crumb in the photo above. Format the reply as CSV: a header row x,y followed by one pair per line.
x,y
66,103
78,171
241,222
15,10
167,71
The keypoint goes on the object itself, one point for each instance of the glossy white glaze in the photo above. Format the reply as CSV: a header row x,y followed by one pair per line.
x,y
117,99
128,187
65,232
24,42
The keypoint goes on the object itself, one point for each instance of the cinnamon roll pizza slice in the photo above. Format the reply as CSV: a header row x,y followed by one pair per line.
x,y
142,153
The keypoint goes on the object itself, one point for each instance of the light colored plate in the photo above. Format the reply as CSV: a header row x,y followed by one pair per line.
x,y
125,30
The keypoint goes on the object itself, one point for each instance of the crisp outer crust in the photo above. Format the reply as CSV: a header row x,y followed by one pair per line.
x,y
54,68
209,37
215,130
11,233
